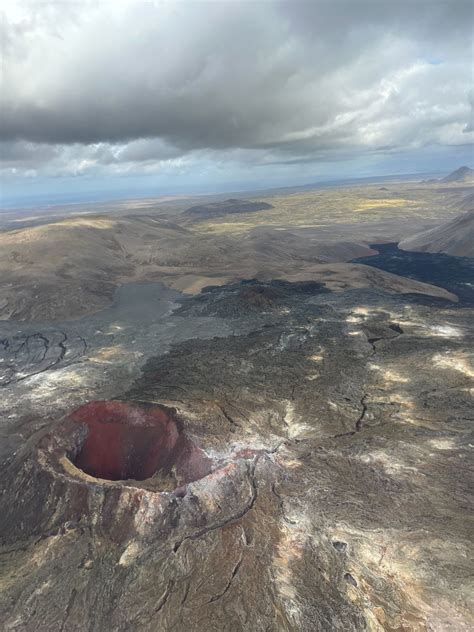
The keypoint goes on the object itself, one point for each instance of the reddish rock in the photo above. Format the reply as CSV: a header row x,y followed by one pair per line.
x,y
121,469
127,440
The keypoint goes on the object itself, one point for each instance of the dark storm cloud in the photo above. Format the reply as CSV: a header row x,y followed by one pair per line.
x,y
135,82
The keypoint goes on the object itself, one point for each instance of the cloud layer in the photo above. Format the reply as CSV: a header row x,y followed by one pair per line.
x,y
118,87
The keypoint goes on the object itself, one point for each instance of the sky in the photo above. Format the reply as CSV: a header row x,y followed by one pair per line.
x,y
125,98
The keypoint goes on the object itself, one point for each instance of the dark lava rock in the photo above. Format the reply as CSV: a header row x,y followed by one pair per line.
x,y
340,546
251,297
348,577
218,492
454,274
226,207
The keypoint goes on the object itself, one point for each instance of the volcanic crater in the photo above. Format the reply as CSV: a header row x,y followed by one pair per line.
x,y
140,442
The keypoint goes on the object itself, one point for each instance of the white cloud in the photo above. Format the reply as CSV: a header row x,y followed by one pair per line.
x,y
120,86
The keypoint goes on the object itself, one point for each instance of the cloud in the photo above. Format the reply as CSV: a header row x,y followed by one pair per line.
x,y
470,125
115,85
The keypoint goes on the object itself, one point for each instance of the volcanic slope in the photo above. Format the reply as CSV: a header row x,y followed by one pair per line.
x,y
463,174
455,237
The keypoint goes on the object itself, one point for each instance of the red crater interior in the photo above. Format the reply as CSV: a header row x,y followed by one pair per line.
x,y
130,440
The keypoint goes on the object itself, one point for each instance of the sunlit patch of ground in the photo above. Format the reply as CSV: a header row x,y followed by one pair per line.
x,y
87,221
390,375
114,328
389,463
130,554
193,284
296,427
287,459
456,361
358,315
290,549
404,560
44,386
387,203
420,327
445,331
442,443
109,355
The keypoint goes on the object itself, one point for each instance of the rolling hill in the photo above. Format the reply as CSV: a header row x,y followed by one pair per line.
x,y
455,237
463,174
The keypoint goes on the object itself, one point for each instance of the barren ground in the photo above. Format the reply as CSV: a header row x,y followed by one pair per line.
x,y
309,419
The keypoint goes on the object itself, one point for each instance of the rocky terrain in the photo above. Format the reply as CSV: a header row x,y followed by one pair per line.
x,y
228,430
57,268
317,474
